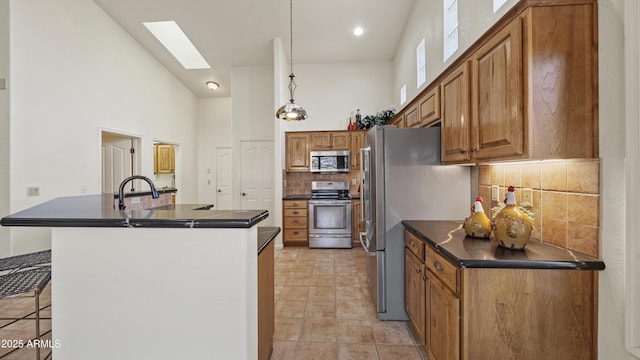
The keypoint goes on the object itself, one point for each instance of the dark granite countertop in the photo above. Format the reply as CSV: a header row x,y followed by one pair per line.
x,y
99,211
451,241
265,235
297,197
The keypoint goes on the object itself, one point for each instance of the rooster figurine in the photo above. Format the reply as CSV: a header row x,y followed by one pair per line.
x,y
512,225
478,224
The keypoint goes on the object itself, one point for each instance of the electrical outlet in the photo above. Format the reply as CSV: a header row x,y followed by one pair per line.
x,y
33,191
83,189
527,196
135,200
495,193
354,181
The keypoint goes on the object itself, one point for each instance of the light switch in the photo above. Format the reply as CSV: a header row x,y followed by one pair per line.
x,y
3,84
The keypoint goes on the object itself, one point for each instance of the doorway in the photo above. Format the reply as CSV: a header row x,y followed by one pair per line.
x,y
119,160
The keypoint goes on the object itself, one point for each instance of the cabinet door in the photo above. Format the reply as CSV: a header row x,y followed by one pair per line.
x,y
443,321
266,306
320,141
297,151
455,115
357,142
166,159
340,140
415,292
430,107
411,119
498,122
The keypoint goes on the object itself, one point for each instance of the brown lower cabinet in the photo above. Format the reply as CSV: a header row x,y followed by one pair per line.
x,y
295,223
266,307
498,313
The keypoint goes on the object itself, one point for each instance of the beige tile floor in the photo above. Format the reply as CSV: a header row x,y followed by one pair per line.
x,y
324,311
23,330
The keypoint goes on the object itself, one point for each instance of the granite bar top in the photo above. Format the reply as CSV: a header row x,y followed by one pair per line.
x,y
99,211
450,239
265,235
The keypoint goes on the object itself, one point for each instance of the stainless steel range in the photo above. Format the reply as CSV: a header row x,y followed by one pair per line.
x,y
330,215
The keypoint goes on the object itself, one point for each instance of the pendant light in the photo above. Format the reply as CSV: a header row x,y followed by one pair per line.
x,y
291,110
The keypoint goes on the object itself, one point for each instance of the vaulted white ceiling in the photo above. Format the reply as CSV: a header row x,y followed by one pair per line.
x,y
232,33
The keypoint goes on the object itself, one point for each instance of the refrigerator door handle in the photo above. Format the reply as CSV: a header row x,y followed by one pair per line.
x,y
362,242
362,179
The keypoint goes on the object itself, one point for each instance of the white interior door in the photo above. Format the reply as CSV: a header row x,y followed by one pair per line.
x,y
257,176
116,163
223,178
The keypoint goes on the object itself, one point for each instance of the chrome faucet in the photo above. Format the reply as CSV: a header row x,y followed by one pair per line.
x,y
154,192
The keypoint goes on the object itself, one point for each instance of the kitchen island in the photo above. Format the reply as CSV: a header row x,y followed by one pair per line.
x,y
173,282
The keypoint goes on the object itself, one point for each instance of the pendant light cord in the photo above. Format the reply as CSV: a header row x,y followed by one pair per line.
x,y
291,35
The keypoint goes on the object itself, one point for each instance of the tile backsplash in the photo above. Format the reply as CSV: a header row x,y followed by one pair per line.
x,y
299,183
566,199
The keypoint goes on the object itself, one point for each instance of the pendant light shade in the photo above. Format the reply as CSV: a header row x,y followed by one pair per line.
x,y
291,110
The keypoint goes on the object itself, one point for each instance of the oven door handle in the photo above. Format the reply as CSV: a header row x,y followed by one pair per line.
x,y
362,233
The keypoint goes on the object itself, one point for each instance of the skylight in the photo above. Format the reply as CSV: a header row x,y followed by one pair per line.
x,y
177,43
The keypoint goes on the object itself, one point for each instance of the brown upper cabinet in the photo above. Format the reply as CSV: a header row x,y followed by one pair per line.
x,y
526,90
299,144
532,91
455,115
429,106
330,140
297,151
357,142
411,118
497,124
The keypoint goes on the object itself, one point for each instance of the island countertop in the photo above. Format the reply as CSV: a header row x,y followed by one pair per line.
x,y
98,211
450,240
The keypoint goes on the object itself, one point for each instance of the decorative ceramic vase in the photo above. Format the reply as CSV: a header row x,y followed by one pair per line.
x,y
478,224
512,226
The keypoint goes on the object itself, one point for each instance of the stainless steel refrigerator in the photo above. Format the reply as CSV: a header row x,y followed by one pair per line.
x,y
402,179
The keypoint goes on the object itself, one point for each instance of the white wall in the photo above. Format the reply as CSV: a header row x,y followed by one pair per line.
x,y
331,93
74,71
214,130
474,19
4,126
611,320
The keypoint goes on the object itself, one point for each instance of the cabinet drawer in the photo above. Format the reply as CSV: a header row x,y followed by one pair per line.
x,y
296,234
295,222
295,212
414,244
442,268
295,204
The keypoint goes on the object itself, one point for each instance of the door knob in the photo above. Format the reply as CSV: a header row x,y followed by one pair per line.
x,y
244,194
219,190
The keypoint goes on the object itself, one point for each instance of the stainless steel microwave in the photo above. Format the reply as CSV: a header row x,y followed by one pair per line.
x,y
329,161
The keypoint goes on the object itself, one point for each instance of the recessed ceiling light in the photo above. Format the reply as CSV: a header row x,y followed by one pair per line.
x,y
358,31
177,43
